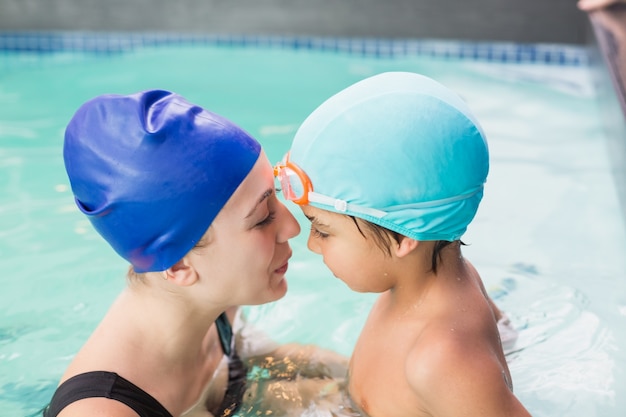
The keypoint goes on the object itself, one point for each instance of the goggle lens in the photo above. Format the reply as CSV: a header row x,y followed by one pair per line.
x,y
290,184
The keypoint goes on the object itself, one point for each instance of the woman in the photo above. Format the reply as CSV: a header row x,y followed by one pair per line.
x,y
188,198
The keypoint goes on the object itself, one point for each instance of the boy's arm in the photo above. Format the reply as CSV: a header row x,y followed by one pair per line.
x,y
455,376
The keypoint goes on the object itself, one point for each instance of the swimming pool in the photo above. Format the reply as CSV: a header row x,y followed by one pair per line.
x,y
549,238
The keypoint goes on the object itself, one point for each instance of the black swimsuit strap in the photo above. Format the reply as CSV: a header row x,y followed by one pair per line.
x,y
225,331
106,385
237,371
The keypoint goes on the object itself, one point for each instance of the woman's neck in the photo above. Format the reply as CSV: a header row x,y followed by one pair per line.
x,y
168,319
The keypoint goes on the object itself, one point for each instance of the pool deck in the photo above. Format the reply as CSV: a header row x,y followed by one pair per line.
x,y
609,26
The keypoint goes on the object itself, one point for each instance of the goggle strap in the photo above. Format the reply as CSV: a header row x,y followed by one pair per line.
x,y
343,206
436,203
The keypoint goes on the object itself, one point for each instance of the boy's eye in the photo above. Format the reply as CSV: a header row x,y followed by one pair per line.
x,y
316,233
268,220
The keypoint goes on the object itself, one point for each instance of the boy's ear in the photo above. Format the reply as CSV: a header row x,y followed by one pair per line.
x,y
406,246
181,273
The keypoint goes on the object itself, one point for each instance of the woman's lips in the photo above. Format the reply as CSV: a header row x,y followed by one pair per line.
x,y
282,269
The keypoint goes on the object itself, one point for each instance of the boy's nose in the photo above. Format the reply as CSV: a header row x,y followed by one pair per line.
x,y
312,244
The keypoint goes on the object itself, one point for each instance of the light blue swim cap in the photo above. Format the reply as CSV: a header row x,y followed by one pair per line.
x,y
399,150
151,171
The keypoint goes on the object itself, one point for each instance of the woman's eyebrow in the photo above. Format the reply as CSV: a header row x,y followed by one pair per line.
x,y
265,195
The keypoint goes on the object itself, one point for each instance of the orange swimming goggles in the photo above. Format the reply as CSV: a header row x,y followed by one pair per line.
x,y
297,187
294,182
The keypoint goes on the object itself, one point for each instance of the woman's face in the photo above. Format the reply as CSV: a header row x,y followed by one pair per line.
x,y
246,257
351,256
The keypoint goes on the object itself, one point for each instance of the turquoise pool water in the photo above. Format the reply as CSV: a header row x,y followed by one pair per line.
x,y
549,238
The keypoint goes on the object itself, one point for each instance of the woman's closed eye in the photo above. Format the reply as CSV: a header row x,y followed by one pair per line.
x,y
267,220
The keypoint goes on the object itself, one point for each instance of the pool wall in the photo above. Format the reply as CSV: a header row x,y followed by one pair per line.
x,y
553,21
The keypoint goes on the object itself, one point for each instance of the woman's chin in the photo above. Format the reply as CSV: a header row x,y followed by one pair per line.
x,y
276,291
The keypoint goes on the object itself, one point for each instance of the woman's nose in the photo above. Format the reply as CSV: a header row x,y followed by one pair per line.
x,y
289,226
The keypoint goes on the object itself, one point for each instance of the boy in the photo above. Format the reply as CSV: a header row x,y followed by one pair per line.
x,y
390,172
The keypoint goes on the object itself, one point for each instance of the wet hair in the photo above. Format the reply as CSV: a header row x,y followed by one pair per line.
x,y
384,238
134,276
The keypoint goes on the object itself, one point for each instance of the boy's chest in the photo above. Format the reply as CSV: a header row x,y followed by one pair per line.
x,y
378,383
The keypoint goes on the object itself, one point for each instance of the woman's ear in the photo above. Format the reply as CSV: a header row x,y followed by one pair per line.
x,y
181,273
405,246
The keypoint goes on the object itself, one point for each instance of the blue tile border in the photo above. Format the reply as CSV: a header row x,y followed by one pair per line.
x,y
118,42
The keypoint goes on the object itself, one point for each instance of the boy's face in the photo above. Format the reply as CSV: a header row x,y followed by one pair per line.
x,y
352,257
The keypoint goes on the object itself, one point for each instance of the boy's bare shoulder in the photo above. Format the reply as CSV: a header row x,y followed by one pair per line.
x,y
441,352
452,370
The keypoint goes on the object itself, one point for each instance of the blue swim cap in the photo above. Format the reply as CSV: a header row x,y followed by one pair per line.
x,y
151,171
397,149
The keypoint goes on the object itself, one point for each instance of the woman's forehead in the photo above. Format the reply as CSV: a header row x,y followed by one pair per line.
x,y
254,189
